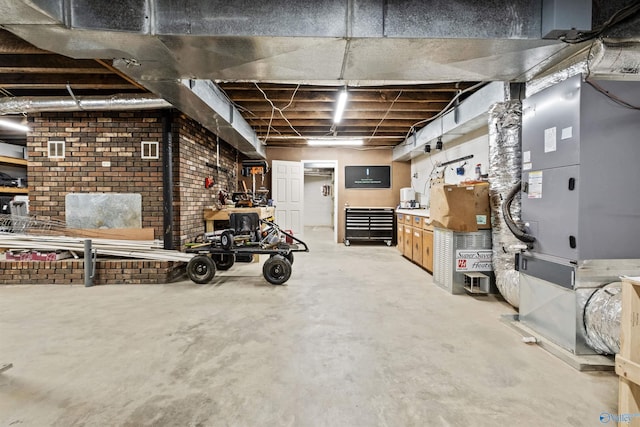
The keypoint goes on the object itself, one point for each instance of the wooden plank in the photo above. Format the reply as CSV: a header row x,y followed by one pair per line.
x,y
113,233
13,161
626,368
14,190
628,398
628,360
223,214
630,320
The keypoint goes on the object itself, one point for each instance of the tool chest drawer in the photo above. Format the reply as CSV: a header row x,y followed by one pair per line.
x,y
370,224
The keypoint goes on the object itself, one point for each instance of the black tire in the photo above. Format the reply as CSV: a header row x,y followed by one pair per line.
x,y
288,256
226,239
276,270
224,261
201,269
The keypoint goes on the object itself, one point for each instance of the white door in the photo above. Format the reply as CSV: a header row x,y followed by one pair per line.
x,y
287,183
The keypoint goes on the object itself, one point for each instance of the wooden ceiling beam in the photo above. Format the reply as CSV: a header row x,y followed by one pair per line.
x,y
282,97
344,123
348,115
41,70
10,43
381,107
56,81
434,87
324,130
299,143
49,61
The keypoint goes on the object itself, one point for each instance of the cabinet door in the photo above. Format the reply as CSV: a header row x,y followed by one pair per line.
x,y
427,250
408,241
400,245
417,246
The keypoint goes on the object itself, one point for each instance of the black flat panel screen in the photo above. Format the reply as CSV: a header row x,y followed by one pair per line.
x,y
367,176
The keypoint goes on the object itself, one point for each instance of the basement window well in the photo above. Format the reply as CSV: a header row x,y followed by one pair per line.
x,y
56,149
149,149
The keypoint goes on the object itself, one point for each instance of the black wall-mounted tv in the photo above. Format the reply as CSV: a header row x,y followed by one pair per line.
x,y
367,176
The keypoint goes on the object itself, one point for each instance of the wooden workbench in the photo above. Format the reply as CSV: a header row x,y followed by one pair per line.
x,y
211,214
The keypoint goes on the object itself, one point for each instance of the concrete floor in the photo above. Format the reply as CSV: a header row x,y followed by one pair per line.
x,y
359,336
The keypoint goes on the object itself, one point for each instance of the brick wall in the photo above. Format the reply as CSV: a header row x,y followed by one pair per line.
x,y
92,138
95,137
71,272
195,148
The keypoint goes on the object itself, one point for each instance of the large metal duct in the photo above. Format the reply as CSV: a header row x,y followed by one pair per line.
x,y
602,315
20,105
505,122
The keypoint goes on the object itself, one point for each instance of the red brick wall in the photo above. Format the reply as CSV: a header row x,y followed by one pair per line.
x,y
194,148
92,138
71,272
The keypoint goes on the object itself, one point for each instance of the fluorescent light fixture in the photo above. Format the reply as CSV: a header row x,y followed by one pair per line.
x,y
333,142
13,125
342,102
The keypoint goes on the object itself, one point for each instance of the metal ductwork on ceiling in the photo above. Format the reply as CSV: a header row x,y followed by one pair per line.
x,y
165,45
19,105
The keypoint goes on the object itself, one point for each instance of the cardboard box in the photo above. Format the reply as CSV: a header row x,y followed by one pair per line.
x,y
461,207
453,207
482,205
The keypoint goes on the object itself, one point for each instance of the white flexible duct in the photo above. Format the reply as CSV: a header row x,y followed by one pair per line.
x,y
19,105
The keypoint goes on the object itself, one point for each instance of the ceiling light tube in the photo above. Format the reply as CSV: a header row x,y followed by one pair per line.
x,y
342,102
13,125
332,142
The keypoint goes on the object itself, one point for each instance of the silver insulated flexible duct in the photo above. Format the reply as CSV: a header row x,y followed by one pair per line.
x,y
20,105
602,316
505,122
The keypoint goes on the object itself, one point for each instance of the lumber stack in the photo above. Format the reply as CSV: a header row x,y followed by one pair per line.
x,y
142,249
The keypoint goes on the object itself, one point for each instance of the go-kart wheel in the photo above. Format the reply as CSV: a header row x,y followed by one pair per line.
x,y
276,270
226,240
224,261
288,256
201,269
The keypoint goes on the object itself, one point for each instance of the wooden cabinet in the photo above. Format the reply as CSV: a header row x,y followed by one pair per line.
x,y
416,225
415,239
416,256
408,241
400,244
427,245
427,250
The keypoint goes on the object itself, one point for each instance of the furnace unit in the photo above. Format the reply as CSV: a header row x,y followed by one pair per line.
x,y
580,200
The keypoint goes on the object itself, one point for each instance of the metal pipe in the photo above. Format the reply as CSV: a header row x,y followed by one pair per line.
x,y
123,101
88,264
167,179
